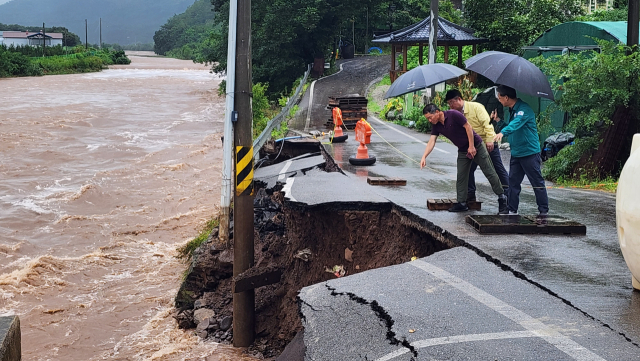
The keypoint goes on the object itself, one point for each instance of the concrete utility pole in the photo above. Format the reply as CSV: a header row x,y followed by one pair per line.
x,y
632,24
227,146
86,35
243,255
100,33
433,33
433,40
44,41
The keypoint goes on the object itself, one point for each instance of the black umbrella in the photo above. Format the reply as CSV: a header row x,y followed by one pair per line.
x,y
511,70
423,77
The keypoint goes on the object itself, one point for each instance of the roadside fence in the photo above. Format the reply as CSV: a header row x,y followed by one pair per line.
x,y
276,121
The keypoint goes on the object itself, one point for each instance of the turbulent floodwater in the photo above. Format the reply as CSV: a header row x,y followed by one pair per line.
x,y
102,176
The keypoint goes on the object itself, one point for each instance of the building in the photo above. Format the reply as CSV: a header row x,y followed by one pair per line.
x,y
30,38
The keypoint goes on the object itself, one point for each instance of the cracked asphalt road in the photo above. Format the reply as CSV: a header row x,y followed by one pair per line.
x,y
514,297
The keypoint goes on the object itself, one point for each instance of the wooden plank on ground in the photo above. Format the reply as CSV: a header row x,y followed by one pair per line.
x,y
254,278
445,204
387,181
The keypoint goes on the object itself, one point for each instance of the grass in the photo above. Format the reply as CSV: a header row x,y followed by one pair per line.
x,y
186,252
607,185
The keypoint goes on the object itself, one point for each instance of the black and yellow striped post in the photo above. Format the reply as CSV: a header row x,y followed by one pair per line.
x,y
244,171
243,253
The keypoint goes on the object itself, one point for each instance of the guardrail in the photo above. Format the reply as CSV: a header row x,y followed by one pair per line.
x,y
278,119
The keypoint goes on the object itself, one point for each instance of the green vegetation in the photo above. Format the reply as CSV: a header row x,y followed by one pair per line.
x,y
77,60
16,64
609,184
561,166
594,85
511,24
185,35
413,56
619,14
186,252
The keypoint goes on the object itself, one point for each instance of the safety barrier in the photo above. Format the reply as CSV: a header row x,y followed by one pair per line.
x,y
278,119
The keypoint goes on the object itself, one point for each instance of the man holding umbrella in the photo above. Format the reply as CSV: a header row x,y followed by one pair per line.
x,y
453,125
525,150
480,122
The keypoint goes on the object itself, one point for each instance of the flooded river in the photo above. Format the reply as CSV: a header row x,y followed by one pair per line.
x,y
102,176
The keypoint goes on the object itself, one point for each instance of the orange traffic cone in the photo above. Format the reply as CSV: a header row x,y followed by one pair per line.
x,y
338,136
363,135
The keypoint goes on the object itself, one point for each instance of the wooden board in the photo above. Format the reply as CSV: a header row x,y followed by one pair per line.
x,y
518,224
445,204
254,278
386,181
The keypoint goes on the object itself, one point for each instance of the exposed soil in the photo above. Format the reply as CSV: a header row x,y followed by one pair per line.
x,y
304,243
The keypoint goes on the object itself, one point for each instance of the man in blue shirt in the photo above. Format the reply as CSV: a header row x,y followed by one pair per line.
x,y
525,150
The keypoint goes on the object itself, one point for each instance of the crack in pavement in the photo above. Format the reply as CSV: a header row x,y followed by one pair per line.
x,y
448,238
380,312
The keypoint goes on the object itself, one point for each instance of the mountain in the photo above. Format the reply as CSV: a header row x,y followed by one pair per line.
x,y
123,21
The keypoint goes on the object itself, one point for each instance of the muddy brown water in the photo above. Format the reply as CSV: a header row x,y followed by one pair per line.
x,y
102,176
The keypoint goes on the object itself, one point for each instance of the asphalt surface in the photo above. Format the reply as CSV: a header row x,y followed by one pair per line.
x,y
354,77
511,296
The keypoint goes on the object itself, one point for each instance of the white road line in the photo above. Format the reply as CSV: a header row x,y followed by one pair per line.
x,y
406,135
306,125
283,172
458,339
561,342
287,189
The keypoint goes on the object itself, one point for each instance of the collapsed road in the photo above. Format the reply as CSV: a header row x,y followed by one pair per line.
x,y
463,296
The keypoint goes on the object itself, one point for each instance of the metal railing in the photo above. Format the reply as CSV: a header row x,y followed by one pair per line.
x,y
278,119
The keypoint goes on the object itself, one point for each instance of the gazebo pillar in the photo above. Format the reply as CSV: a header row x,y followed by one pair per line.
x,y
392,73
446,54
420,54
459,56
475,50
404,56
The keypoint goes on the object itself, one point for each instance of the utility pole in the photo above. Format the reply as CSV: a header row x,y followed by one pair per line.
x,y
433,33
86,35
243,254
433,40
632,25
44,41
100,33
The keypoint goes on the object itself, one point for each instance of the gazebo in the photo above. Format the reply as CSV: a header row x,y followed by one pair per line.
x,y
449,34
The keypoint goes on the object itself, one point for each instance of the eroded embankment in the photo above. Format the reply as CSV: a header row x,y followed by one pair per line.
x,y
304,243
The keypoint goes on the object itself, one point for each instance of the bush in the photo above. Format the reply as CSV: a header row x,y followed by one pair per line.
x,y
561,166
16,64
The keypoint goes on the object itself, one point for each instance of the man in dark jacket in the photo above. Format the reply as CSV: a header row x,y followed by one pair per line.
x,y
525,150
453,125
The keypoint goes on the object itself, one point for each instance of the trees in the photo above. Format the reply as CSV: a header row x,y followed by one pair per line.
x,y
511,24
601,91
